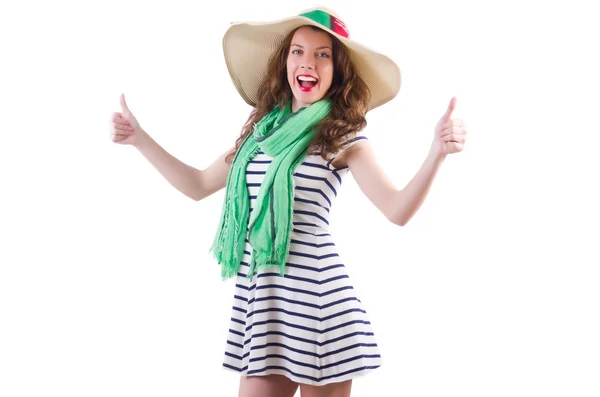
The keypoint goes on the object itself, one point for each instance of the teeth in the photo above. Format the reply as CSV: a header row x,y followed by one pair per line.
x,y
306,78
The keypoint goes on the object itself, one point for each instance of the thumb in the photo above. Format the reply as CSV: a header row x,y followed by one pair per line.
x,y
124,106
450,109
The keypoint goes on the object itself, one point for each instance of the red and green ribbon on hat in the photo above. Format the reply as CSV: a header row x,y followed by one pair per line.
x,y
329,21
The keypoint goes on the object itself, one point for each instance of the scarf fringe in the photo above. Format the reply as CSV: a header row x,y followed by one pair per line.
x,y
262,259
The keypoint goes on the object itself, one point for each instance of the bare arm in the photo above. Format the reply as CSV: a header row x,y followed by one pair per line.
x,y
194,183
398,206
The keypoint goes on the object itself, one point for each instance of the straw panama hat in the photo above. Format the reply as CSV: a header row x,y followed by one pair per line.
x,y
247,47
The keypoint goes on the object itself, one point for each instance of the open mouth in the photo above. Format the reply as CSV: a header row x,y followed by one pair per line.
x,y
306,82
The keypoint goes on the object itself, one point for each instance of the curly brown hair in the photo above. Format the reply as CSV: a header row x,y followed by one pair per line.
x,y
349,96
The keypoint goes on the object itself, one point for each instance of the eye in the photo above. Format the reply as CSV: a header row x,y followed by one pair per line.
x,y
323,55
295,51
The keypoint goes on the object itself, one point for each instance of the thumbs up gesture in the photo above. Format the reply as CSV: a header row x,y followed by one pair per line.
x,y
450,134
124,127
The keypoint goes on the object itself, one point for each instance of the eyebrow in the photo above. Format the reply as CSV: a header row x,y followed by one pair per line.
x,y
318,48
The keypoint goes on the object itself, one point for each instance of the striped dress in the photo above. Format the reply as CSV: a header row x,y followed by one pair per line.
x,y
308,325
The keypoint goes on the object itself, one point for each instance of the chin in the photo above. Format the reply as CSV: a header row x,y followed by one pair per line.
x,y
310,99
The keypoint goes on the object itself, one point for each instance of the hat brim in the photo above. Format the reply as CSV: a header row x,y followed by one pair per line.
x,y
247,47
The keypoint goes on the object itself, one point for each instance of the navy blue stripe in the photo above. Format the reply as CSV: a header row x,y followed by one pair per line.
x,y
317,367
280,298
317,257
308,280
253,184
236,332
261,161
300,363
339,374
356,138
315,165
333,291
313,354
314,269
342,313
305,267
312,244
338,302
310,202
317,178
305,328
309,341
305,224
240,298
311,214
304,291
235,368
364,368
291,325
350,359
297,338
345,325
258,347
305,232
309,189
329,163
301,303
235,320
344,337
346,348
253,197
255,172
291,313
233,356
261,275
334,278
337,175
239,309
235,344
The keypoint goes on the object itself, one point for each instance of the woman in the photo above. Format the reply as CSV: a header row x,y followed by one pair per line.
x,y
296,320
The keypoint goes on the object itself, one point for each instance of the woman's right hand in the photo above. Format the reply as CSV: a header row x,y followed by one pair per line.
x,y
124,127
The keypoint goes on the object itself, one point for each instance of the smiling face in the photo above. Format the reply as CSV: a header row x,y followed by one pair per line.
x,y
309,66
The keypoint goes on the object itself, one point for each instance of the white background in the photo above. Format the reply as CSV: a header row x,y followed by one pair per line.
x,y
106,284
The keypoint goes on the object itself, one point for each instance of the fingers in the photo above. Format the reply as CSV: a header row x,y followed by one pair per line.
x,y
457,138
117,135
122,127
453,122
454,127
119,119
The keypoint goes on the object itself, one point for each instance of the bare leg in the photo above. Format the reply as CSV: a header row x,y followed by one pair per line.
x,y
341,389
267,386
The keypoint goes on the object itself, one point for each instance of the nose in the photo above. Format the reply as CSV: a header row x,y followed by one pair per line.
x,y
308,62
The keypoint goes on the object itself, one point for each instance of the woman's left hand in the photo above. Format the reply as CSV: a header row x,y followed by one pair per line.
x,y
450,134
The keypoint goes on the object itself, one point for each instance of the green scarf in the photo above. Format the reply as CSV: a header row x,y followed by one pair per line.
x,y
285,136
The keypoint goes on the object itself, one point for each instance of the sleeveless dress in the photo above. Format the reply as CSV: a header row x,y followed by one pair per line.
x,y
308,325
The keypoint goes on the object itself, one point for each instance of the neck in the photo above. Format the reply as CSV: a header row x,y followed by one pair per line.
x,y
296,105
